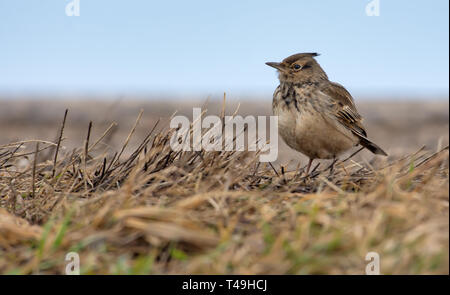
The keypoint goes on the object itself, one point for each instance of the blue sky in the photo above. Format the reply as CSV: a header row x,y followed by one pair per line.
x,y
209,47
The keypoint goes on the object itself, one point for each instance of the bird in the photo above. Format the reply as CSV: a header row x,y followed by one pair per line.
x,y
316,117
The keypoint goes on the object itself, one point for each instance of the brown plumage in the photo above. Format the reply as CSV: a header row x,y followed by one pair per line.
x,y
316,116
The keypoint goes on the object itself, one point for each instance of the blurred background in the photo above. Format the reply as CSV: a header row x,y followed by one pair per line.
x,y
105,60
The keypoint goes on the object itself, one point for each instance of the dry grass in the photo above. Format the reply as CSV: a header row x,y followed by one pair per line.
x,y
154,211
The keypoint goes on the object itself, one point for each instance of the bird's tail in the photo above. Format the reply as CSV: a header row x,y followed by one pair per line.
x,y
371,146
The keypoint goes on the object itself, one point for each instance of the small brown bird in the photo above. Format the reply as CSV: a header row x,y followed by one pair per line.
x,y
316,117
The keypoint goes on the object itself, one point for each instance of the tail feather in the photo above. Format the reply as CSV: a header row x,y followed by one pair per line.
x,y
371,146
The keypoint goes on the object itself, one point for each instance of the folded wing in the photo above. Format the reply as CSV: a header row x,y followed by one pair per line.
x,y
344,110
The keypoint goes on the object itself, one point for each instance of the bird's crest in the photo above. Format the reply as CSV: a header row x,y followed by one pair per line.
x,y
297,56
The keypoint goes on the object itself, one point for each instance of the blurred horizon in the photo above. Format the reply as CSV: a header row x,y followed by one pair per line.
x,y
199,49
201,96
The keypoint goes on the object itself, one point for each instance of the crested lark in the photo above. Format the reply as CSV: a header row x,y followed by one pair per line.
x,y
316,117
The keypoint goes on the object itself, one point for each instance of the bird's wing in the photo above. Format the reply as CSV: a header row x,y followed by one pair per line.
x,y
344,109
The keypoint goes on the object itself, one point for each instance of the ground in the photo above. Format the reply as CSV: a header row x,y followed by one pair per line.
x,y
126,203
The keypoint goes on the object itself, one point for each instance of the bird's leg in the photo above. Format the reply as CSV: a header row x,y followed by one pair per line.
x,y
332,165
309,166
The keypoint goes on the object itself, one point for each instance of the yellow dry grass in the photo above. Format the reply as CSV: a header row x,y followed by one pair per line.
x,y
157,211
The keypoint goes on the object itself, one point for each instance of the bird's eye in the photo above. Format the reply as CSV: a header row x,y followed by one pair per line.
x,y
297,67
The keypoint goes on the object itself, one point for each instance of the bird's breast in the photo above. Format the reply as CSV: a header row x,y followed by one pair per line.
x,y
304,128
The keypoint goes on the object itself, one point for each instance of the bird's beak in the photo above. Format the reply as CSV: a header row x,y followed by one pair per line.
x,y
275,65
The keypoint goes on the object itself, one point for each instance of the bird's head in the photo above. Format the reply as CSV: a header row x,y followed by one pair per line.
x,y
299,68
